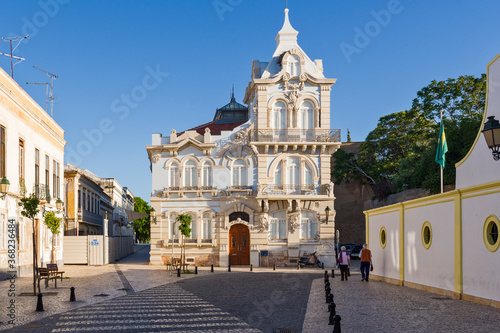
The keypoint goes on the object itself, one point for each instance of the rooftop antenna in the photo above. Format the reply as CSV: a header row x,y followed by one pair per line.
x,y
51,84
12,57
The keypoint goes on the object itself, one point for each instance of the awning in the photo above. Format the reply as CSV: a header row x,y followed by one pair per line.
x,y
132,216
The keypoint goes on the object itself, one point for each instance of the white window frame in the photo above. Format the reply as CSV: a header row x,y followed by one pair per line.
x,y
239,168
207,174
174,174
279,115
306,115
308,225
294,65
278,226
207,226
190,173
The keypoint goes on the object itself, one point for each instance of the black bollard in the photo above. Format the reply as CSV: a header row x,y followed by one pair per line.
x,y
274,267
331,318
323,266
251,268
212,268
229,268
327,285
39,303
195,269
326,273
298,267
336,326
330,298
348,271
72,297
327,293
178,272
333,274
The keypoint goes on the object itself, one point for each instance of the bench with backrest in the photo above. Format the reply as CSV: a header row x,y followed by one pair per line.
x,y
54,271
44,274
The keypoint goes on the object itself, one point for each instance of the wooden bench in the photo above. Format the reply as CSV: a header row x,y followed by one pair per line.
x,y
53,270
177,264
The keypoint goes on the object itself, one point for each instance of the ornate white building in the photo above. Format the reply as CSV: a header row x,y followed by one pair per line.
x,y
256,180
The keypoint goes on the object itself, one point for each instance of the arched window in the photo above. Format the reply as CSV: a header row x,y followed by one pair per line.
x,y
194,233
174,227
190,174
294,65
278,174
207,174
277,225
293,173
239,173
308,178
279,115
306,115
308,225
174,175
207,226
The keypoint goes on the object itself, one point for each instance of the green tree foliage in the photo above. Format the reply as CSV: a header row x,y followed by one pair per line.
x,y
54,224
401,149
142,226
185,229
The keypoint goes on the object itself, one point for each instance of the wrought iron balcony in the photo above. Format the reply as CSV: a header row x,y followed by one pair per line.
x,y
295,135
42,192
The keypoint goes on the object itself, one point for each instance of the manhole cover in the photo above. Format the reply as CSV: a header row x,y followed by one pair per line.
x,y
285,330
101,295
187,309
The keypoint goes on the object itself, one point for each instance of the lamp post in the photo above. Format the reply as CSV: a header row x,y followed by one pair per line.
x,y
491,132
172,257
327,213
4,187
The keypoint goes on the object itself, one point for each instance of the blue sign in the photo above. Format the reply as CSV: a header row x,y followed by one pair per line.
x,y
264,253
95,242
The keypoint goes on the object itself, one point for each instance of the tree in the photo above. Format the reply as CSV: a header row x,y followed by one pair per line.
x,y
142,226
54,224
185,229
461,98
30,209
396,136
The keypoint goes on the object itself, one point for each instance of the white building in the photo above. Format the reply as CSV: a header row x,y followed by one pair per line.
x,y
256,179
31,158
448,243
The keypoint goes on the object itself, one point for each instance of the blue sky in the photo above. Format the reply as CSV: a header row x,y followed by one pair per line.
x,y
177,60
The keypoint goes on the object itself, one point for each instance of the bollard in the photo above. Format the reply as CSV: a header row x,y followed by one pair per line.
x,y
348,271
323,266
195,269
331,318
251,267
212,268
333,274
72,297
326,273
327,285
298,267
336,325
327,293
178,272
39,303
274,267
229,268
330,298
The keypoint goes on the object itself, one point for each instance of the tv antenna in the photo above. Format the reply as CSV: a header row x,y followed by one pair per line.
x,y
51,85
12,57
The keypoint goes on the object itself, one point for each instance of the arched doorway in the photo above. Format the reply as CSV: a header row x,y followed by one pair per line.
x,y
239,245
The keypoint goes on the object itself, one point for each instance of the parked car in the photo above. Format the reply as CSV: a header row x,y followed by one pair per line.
x,y
355,250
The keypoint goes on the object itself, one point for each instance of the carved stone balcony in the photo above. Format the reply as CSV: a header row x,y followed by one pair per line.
x,y
294,135
42,192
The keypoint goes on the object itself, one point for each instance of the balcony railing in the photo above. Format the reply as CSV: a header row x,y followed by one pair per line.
x,y
273,189
42,192
295,135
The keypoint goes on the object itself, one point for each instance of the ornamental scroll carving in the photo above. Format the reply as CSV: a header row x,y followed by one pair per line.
x,y
156,158
240,139
263,222
294,221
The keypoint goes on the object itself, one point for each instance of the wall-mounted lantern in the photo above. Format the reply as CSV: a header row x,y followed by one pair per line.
x,y
491,133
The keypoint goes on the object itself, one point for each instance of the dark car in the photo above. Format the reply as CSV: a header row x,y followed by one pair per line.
x,y
355,250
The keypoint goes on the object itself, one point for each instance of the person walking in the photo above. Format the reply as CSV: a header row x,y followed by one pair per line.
x,y
344,262
366,262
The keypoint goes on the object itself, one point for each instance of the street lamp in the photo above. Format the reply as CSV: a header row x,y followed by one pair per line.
x,y
59,204
4,187
491,131
152,214
327,213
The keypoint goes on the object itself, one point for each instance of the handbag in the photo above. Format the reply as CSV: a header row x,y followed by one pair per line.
x,y
371,268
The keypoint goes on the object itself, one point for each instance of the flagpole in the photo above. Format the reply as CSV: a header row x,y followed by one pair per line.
x,y
442,185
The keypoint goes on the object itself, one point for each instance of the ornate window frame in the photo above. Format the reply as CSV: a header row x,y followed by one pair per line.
x,y
490,243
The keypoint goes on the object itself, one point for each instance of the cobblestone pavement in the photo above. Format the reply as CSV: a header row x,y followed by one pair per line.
x,y
240,301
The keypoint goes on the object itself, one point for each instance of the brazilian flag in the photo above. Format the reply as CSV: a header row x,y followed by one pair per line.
x,y
442,147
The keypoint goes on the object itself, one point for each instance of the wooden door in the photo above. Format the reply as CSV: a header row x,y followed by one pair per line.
x,y
239,245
